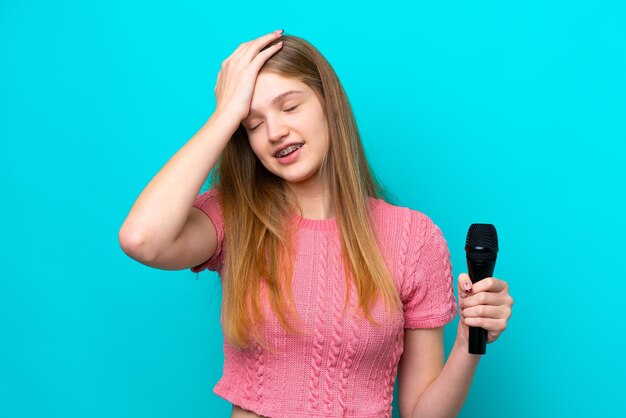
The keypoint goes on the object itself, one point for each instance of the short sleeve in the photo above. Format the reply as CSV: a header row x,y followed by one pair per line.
x,y
428,294
208,202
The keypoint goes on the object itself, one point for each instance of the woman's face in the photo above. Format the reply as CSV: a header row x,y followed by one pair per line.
x,y
277,120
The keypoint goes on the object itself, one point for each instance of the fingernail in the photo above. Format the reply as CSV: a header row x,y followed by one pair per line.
x,y
463,294
279,31
467,286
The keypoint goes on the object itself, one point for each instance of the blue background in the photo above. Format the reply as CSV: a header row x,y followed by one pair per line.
x,y
506,112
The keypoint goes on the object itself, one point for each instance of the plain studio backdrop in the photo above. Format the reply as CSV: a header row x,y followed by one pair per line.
x,y
503,112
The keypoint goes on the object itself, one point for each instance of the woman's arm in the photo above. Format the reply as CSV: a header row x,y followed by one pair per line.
x,y
161,210
446,394
426,386
485,304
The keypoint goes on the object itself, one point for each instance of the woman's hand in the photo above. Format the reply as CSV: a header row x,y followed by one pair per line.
x,y
236,79
485,304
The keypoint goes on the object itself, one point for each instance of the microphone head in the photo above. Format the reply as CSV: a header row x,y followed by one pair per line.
x,y
482,243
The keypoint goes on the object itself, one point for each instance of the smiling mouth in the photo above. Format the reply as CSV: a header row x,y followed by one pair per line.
x,y
288,150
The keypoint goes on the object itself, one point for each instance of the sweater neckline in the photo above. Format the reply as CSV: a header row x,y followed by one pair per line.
x,y
323,224
315,224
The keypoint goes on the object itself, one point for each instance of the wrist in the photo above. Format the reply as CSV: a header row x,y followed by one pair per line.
x,y
461,345
226,116
462,338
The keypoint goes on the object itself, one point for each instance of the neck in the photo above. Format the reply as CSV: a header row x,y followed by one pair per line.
x,y
313,201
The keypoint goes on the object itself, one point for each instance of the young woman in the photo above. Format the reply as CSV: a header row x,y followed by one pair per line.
x,y
329,290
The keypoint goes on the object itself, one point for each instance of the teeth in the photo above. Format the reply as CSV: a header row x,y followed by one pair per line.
x,y
288,150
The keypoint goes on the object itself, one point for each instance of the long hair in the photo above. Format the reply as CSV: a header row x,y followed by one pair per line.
x,y
256,204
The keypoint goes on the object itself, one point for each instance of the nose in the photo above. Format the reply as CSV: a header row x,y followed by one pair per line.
x,y
276,129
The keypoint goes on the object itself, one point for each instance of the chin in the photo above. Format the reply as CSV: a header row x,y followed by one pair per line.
x,y
296,173
295,178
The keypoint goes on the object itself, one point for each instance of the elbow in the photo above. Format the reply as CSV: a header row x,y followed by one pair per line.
x,y
134,245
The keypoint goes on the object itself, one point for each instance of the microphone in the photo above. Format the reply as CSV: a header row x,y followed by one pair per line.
x,y
481,248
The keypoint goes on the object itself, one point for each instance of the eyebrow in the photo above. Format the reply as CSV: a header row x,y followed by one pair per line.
x,y
275,100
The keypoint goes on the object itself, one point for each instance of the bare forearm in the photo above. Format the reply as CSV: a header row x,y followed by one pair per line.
x,y
445,396
161,210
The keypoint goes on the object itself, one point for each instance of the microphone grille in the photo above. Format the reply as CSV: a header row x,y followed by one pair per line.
x,y
482,242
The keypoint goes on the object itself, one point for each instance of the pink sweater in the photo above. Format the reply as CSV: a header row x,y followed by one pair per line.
x,y
346,366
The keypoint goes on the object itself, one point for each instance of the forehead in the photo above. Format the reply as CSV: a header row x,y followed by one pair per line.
x,y
269,85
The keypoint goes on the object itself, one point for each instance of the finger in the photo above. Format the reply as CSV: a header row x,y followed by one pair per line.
x,y
236,55
484,298
489,284
490,324
239,53
264,55
464,284
253,47
240,48
486,311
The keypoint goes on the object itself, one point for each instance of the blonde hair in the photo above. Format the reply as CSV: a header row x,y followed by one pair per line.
x,y
256,203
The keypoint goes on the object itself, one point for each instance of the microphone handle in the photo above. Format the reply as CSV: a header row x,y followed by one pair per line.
x,y
478,336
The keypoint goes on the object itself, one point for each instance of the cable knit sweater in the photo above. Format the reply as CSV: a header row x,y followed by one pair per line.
x,y
345,366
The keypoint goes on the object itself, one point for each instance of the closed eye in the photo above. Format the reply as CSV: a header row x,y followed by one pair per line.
x,y
286,110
